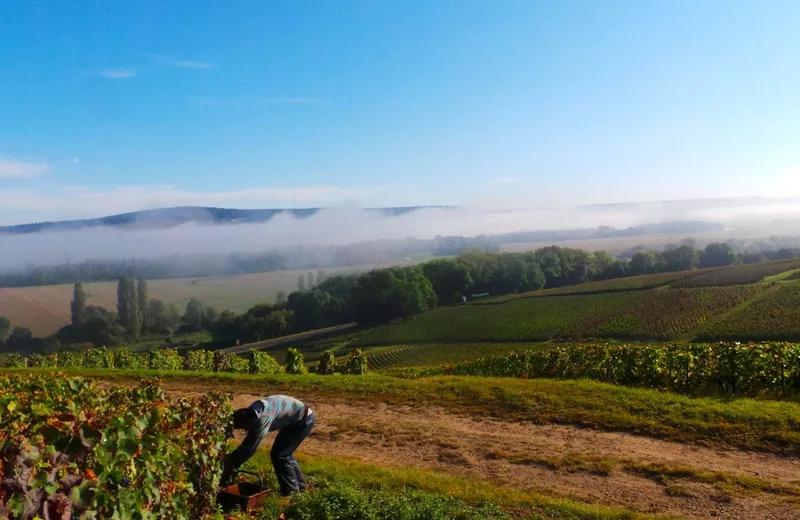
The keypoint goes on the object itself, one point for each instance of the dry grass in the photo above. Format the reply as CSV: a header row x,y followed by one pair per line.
x,y
45,309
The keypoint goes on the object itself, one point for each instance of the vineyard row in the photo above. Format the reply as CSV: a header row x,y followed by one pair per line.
x,y
728,368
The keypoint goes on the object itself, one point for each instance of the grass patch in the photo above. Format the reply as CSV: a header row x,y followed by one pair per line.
x,y
742,423
365,491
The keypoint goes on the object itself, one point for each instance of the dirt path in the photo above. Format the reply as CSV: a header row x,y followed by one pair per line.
x,y
557,460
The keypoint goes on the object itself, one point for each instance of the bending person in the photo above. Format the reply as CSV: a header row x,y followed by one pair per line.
x,y
292,419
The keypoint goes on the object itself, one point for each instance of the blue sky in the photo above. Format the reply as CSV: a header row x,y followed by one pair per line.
x,y
115,106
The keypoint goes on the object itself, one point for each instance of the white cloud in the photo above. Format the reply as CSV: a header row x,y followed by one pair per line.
x,y
184,64
69,160
20,169
117,73
81,202
506,180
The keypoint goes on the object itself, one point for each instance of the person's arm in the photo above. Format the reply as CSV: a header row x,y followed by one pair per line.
x,y
255,437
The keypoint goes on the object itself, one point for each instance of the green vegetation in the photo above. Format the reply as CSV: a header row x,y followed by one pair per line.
x,y
740,274
663,314
72,449
742,423
724,368
631,283
383,358
774,317
347,489
256,362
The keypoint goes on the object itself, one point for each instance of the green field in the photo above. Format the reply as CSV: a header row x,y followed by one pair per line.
x,y
630,283
774,317
658,314
739,274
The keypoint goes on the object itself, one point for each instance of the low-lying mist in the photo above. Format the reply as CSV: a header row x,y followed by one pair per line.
x,y
348,225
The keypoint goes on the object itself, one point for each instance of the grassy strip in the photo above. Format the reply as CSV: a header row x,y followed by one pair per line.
x,y
661,472
519,503
741,423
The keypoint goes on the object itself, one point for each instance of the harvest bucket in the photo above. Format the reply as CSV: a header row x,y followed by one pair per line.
x,y
245,496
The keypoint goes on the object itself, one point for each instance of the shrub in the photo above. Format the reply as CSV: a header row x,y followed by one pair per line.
x,y
227,362
98,358
199,360
327,363
71,359
164,359
294,362
262,363
137,451
355,363
12,361
125,359
38,360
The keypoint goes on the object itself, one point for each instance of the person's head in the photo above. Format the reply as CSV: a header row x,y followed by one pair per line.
x,y
243,419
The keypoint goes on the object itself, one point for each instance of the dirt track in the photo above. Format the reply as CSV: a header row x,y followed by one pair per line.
x,y
557,460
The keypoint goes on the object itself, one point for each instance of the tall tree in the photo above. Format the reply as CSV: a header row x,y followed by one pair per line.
x,y
128,306
311,283
194,316
280,298
78,305
143,304
718,254
301,283
5,329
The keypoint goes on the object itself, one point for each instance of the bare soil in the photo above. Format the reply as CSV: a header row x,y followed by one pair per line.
x,y
541,458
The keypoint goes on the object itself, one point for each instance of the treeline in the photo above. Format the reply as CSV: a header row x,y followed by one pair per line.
x,y
137,316
377,296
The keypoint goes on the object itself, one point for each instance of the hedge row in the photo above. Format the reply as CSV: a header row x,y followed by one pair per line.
x,y
730,368
256,362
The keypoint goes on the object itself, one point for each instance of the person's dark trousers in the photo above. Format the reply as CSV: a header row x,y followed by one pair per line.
x,y
290,478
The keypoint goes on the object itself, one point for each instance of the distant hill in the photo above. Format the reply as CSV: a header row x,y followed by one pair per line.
x,y
168,217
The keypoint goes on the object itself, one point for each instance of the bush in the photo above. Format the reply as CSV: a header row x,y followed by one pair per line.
x,y
98,358
343,499
294,362
70,359
263,363
327,363
355,364
125,359
199,360
12,361
38,360
227,362
164,359
137,451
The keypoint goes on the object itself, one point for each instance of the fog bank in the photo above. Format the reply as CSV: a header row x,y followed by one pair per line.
x,y
348,225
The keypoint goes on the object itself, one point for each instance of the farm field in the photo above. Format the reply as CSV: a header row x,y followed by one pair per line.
x,y
774,317
658,314
630,283
739,274
45,309
547,448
